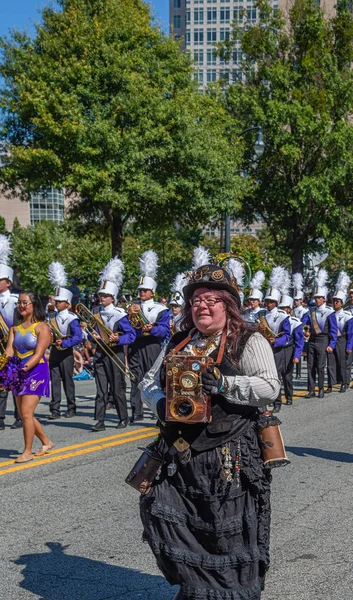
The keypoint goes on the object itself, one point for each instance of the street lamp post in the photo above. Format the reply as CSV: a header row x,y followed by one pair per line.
x,y
259,148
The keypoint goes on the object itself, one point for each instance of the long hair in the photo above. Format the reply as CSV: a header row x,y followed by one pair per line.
x,y
239,330
38,309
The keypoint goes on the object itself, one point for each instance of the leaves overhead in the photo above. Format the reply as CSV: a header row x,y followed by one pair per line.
x,y
299,87
101,102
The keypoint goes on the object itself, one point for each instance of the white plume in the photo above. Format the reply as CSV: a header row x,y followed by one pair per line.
x,y
298,281
113,272
5,250
321,278
57,275
149,264
276,278
200,257
343,282
258,280
236,271
178,284
286,283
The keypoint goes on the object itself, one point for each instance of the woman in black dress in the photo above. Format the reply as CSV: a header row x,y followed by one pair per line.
x,y
207,518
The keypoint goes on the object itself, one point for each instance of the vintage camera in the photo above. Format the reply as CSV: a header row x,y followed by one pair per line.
x,y
185,399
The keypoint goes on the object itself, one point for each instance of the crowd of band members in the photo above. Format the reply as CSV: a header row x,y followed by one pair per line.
x,y
323,333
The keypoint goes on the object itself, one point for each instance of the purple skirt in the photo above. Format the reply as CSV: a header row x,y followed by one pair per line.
x,y
37,381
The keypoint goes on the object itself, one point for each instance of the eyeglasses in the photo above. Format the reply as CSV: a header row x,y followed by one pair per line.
x,y
196,302
24,304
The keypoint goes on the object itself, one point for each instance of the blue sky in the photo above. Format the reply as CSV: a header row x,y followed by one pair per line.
x,y
22,13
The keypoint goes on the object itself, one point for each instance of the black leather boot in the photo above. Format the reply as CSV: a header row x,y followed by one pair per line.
x,y
289,401
99,426
310,395
328,390
344,388
321,393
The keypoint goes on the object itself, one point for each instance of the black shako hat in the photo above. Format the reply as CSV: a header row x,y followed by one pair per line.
x,y
212,277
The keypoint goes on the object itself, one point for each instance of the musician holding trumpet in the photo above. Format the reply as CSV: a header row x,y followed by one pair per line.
x,y
112,332
152,325
66,333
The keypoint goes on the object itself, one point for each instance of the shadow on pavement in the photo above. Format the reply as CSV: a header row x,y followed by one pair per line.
x,y
343,457
56,575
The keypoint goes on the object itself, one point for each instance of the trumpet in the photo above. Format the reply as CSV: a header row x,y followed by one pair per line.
x,y
4,335
137,319
55,333
265,330
104,344
306,331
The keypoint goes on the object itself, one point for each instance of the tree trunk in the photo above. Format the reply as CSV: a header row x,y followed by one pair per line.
x,y
297,258
117,235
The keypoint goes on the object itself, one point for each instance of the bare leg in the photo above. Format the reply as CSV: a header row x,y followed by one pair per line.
x,y
31,426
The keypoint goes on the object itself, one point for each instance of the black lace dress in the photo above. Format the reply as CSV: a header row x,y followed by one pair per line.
x,y
210,536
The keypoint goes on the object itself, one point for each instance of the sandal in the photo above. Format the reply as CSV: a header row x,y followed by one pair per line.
x,y
24,458
44,449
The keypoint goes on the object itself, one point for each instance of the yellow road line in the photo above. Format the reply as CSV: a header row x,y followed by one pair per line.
x,y
88,443
38,463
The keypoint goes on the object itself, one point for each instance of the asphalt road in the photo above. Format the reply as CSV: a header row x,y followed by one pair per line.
x,y
70,528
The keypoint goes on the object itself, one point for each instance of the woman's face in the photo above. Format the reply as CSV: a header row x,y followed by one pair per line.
x,y
25,306
208,319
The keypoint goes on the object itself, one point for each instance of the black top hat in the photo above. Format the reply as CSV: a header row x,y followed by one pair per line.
x,y
213,277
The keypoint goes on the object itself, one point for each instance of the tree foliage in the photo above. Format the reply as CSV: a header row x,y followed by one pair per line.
x,y
299,87
102,102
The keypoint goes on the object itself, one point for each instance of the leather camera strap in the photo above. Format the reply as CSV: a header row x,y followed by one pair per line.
x,y
221,347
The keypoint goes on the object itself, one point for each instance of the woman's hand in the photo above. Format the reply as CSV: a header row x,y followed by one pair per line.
x,y
212,381
26,367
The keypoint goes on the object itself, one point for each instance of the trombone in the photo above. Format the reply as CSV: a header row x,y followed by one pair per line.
x,y
104,344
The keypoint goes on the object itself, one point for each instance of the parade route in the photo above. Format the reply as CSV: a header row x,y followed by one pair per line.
x,y
71,530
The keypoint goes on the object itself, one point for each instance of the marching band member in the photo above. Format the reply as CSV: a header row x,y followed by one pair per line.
x,y
293,350
153,329
322,337
255,297
277,322
299,309
339,362
177,302
67,333
107,373
8,317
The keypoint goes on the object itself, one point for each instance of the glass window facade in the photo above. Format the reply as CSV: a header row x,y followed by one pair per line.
x,y
47,205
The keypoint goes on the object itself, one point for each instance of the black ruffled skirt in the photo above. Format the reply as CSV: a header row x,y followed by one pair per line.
x,y
208,536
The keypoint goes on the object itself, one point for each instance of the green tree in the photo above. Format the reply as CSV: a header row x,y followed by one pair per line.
x,y
298,84
84,256
102,102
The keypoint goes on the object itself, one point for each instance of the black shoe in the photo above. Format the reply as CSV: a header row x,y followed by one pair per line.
x,y
122,424
344,388
17,424
289,401
310,395
136,418
328,390
99,426
70,414
2,426
54,416
321,393
277,407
